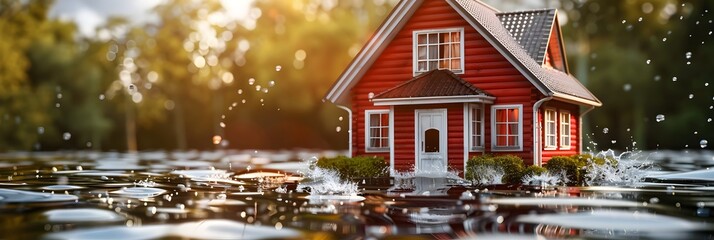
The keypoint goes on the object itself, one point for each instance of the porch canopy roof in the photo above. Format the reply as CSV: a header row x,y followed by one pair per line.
x,y
433,87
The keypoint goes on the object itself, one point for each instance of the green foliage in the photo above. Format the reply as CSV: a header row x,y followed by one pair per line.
x,y
479,169
356,167
575,166
567,165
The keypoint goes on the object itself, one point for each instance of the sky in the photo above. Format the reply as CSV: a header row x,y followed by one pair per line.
x,y
88,14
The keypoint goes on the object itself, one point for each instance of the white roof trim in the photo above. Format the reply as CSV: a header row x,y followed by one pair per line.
x,y
576,100
433,100
365,58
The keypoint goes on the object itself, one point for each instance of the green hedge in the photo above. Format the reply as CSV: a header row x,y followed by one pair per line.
x,y
534,170
512,167
356,167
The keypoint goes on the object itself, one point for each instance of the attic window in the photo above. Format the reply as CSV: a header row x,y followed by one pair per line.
x,y
439,49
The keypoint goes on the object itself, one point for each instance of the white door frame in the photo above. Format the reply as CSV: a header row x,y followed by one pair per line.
x,y
443,136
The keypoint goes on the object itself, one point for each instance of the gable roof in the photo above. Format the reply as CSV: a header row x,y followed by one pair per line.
x,y
531,29
434,83
483,18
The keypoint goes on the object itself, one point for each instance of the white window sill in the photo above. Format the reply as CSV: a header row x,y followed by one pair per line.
x,y
476,149
507,149
550,148
376,150
565,148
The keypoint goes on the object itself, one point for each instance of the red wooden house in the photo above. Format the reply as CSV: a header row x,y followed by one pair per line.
x,y
445,80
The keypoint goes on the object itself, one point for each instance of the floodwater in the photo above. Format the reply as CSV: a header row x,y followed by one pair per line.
x,y
257,195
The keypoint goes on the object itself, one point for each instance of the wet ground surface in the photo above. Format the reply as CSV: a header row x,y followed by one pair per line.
x,y
255,195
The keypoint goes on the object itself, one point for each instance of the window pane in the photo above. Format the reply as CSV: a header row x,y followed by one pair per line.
x,y
433,52
500,115
422,67
513,129
501,141
421,53
421,39
513,141
433,38
513,115
433,65
373,120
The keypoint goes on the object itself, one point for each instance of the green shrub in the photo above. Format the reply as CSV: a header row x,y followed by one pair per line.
x,y
356,167
568,165
512,168
477,169
481,169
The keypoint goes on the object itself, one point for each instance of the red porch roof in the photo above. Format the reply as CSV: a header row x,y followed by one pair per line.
x,y
434,83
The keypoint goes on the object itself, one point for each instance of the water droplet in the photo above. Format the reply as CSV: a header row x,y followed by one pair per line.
x,y
261,100
688,55
691,96
222,124
271,83
340,118
243,101
101,97
664,39
66,136
605,130
131,89
338,129
628,129
217,139
59,96
613,141
370,95
278,226
657,78
240,91
703,143
689,63
258,87
57,105
706,84
265,90
624,21
674,79
278,68
709,119
648,61
251,81
627,87
659,118
41,130
639,19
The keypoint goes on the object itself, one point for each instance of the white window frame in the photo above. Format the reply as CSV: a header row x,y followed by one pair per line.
x,y
565,133
550,129
415,49
367,132
472,147
494,130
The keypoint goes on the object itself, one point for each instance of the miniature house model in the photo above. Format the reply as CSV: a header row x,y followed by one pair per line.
x,y
442,81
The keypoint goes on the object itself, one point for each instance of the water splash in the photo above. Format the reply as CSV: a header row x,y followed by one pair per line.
x,y
627,168
546,179
326,182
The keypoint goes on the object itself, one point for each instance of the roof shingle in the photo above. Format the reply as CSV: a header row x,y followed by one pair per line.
x,y
435,83
531,29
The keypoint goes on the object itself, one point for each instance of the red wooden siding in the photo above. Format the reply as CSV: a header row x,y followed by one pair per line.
x,y
485,67
574,111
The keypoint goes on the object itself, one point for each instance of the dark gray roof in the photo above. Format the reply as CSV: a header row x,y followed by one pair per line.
x,y
549,79
434,83
531,29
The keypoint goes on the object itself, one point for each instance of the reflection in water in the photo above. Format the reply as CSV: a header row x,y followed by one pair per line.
x,y
230,195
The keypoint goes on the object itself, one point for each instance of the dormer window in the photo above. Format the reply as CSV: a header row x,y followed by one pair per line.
x,y
439,49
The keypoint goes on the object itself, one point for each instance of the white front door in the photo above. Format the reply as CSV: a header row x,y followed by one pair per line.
x,y
430,134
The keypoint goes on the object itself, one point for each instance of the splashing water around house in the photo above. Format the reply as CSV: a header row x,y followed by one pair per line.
x,y
326,182
546,179
627,168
